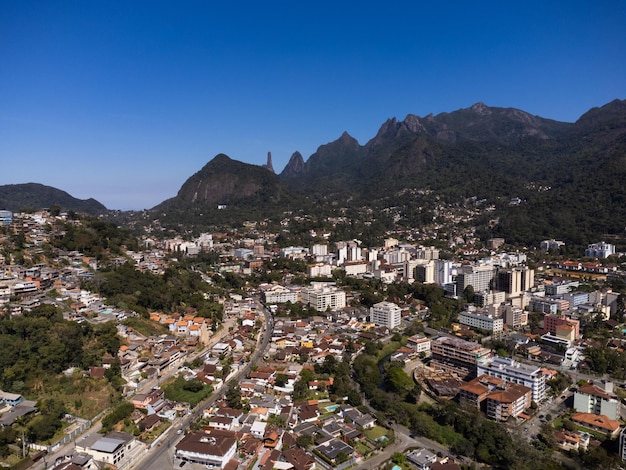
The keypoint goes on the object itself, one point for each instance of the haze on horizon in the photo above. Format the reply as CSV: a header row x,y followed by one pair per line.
x,y
123,101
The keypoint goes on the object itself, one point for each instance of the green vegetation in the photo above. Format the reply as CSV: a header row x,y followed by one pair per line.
x,y
187,391
144,292
38,345
123,411
144,326
93,237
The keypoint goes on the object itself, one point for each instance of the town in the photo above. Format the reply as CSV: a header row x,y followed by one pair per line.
x,y
331,354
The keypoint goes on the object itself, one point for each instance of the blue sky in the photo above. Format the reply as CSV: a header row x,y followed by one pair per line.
x,y
124,100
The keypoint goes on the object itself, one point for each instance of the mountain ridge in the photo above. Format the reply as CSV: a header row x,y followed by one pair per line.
x,y
35,196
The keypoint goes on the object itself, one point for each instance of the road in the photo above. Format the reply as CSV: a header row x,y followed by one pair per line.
x,y
161,456
145,386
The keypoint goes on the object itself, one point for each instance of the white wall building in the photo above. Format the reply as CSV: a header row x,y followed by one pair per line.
x,y
204,449
599,400
323,295
481,321
386,314
512,371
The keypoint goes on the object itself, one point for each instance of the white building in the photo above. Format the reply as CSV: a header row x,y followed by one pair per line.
x,y
206,449
116,448
600,250
323,295
277,294
481,321
386,314
591,398
319,270
419,343
442,272
510,370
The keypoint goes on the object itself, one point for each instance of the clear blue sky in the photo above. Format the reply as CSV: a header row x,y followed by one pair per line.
x,y
124,100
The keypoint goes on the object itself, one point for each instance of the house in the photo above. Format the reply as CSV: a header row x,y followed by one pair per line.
x,y
214,449
149,422
116,448
299,459
421,458
331,448
10,399
597,422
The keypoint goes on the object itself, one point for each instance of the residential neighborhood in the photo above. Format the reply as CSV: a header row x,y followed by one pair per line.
x,y
273,372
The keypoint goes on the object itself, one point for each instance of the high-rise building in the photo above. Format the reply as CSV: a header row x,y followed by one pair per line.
x,y
514,281
386,314
479,277
442,272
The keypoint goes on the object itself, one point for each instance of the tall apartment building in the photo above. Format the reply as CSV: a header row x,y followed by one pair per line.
x,y
427,253
425,272
515,317
323,295
492,297
458,356
442,272
512,371
319,250
591,398
516,280
622,445
479,277
386,314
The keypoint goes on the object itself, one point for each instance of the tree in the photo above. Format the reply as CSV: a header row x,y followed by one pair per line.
x,y
233,397
281,380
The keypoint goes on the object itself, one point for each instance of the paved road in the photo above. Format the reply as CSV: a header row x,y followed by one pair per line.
x,y
161,456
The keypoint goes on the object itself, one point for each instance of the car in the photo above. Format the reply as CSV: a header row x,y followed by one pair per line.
x,y
179,431
182,464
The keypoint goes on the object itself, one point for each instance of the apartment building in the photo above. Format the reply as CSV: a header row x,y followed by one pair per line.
x,y
457,356
386,314
479,277
515,281
510,402
599,400
481,321
512,371
552,322
277,294
515,317
323,295
600,250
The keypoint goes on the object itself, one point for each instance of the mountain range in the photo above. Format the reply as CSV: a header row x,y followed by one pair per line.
x,y
569,178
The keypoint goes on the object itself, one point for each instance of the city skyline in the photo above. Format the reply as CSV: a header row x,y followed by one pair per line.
x,y
124,102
